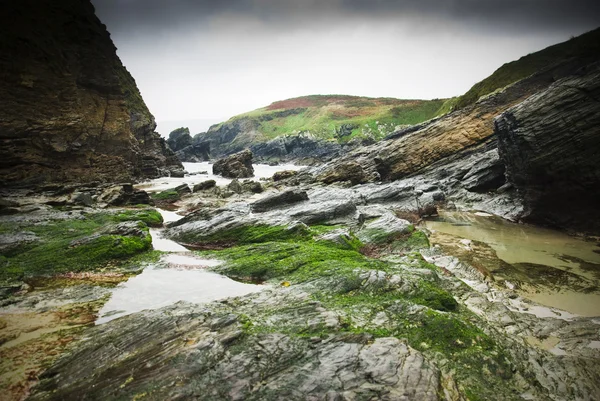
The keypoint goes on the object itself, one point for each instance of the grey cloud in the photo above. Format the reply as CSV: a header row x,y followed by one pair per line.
x,y
520,15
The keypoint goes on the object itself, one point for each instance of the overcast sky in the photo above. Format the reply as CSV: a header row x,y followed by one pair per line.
x,y
210,60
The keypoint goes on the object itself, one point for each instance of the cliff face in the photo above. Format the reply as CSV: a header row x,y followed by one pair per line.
x,y
550,144
70,110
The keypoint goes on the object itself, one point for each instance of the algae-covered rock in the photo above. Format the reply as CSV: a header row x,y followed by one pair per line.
x,y
384,229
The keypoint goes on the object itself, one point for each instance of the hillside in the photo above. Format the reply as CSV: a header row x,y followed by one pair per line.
x,y
313,128
340,117
585,47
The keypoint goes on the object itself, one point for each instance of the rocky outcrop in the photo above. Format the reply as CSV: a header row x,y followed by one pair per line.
x,y
348,171
179,138
238,165
229,137
284,175
70,110
186,148
204,185
550,144
195,153
303,148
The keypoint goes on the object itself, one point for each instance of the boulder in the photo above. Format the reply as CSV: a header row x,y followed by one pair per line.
x,y
183,189
238,165
282,199
384,228
349,171
252,186
235,186
284,175
204,185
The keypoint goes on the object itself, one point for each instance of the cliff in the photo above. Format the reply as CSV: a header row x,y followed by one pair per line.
x,y
70,112
550,144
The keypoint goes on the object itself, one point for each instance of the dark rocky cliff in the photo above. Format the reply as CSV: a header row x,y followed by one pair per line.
x,y
550,144
70,111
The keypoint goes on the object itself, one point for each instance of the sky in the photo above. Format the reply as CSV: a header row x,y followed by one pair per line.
x,y
201,62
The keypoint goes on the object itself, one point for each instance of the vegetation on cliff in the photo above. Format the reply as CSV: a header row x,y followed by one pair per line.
x,y
341,117
584,47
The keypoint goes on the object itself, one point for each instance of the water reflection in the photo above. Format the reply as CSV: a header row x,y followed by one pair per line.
x,y
180,276
157,287
543,265
518,243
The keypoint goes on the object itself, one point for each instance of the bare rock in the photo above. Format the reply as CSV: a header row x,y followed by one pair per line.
x,y
284,175
551,146
278,200
204,185
238,165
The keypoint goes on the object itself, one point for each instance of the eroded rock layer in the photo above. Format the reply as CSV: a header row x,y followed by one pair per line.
x,y
70,111
550,144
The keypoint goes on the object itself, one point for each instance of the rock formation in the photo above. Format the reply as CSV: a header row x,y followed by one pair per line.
x,y
238,165
550,144
70,112
179,138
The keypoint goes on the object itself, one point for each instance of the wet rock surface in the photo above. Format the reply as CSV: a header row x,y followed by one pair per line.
x,y
331,322
279,200
231,365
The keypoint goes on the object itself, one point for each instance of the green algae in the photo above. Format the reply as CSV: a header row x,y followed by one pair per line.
x,y
167,195
151,217
424,314
292,261
83,243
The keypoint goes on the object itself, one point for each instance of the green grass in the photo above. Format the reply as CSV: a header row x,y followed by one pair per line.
x,y
585,47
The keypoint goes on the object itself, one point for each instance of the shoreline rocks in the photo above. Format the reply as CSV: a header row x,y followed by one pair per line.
x,y
238,165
